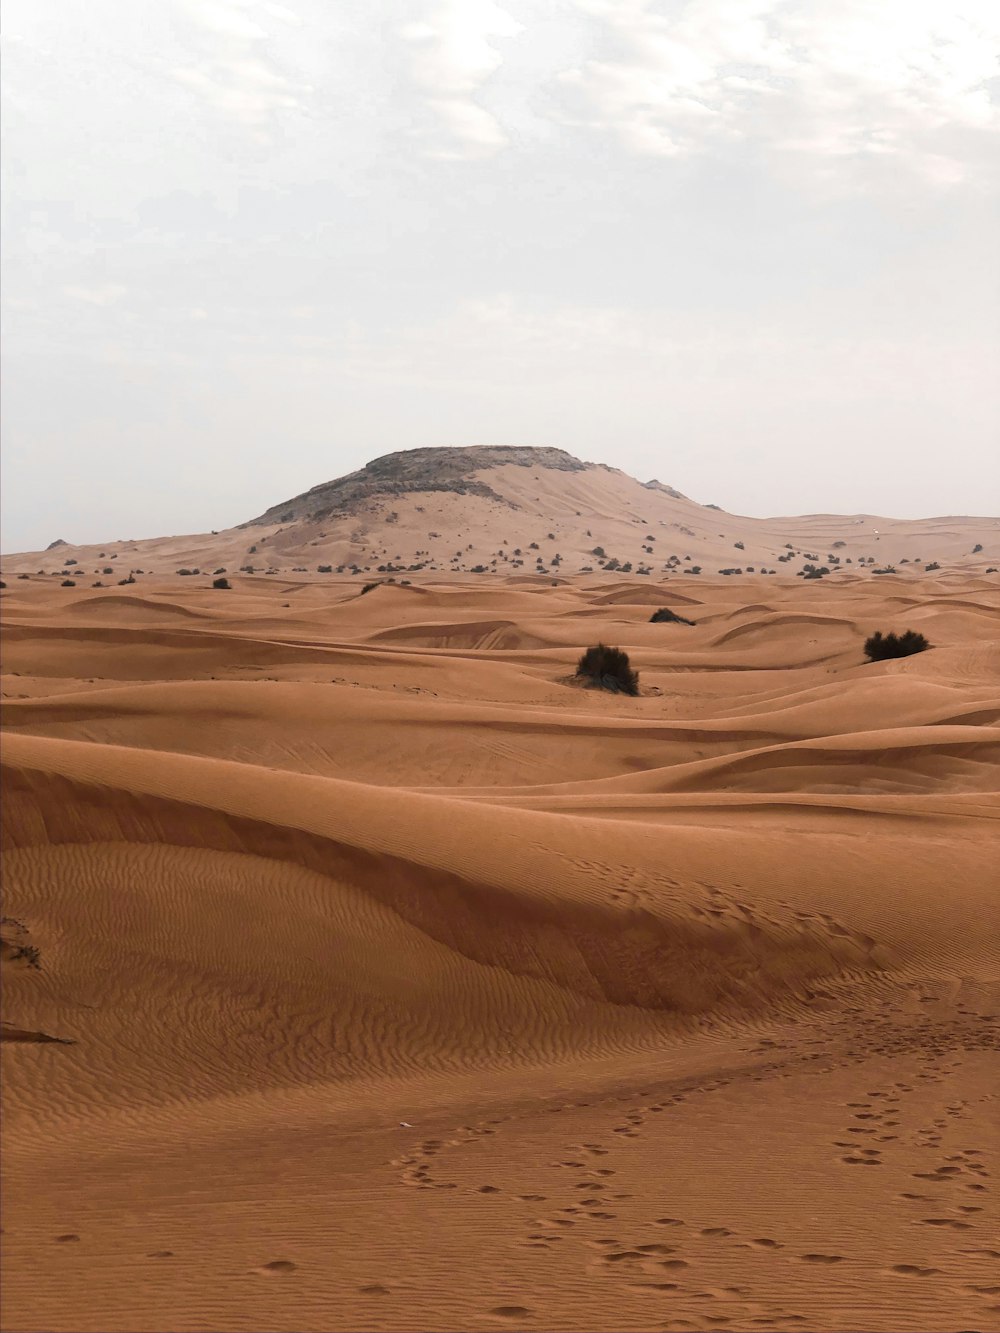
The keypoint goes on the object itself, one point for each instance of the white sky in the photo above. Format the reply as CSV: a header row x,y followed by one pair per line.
x,y
748,247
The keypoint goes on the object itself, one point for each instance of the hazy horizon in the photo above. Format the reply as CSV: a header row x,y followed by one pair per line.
x,y
744,247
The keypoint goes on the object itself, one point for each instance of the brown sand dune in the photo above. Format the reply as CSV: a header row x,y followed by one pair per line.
x,y
362,970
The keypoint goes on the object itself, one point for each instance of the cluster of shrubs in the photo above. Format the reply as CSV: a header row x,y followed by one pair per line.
x,y
609,669
880,647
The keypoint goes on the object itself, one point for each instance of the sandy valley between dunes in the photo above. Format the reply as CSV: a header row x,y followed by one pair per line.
x,y
400,983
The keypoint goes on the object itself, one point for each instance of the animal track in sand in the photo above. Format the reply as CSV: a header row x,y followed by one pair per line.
x,y
912,1270
67,1237
822,1258
276,1268
511,1311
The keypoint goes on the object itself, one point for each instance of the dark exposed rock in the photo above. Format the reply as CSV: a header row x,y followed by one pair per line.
x,y
416,470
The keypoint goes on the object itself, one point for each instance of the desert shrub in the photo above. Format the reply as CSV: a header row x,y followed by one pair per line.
x,y
23,576
324,569
599,551
368,587
609,669
889,569
739,546
108,569
2,585
220,570
123,582
73,562
68,583
992,569
929,569
881,646
666,615
221,583
975,551
478,569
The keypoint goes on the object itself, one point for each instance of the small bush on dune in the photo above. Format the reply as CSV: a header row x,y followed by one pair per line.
x,y
221,583
609,669
665,614
368,588
68,583
880,647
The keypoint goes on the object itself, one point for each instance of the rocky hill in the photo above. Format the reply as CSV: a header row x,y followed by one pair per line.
x,y
525,512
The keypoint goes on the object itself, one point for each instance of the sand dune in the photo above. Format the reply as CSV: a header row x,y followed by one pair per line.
x,y
364,970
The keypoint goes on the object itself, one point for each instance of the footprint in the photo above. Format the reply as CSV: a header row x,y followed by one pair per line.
x,y
716,1231
766,1243
160,1254
822,1258
376,1289
668,1222
69,1236
276,1268
913,1270
510,1311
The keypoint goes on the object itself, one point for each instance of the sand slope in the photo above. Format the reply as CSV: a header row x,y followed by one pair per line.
x,y
361,970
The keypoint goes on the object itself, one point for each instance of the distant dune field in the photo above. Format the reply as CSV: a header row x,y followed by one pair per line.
x,y
362,970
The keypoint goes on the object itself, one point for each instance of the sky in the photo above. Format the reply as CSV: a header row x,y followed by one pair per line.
x,y
747,247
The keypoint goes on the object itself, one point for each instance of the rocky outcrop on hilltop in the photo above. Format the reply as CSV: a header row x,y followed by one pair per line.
x,y
415,470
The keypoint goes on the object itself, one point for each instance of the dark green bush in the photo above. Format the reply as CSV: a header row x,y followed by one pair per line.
x,y
609,669
221,583
880,647
671,617
68,583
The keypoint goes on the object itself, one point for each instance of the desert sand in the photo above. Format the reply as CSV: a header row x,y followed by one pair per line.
x,y
362,970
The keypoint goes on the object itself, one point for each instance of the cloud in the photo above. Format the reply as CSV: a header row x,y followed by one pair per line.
x,y
450,56
107,294
839,85
234,69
